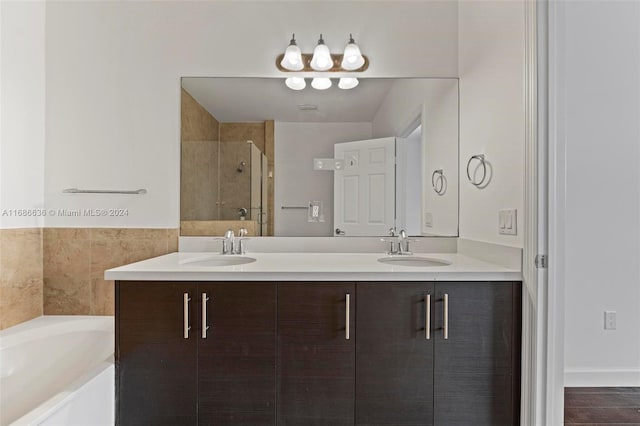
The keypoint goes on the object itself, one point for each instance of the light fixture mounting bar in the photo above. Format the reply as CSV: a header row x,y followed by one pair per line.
x,y
337,61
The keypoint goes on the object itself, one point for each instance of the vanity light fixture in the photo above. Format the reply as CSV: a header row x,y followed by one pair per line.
x,y
295,83
321,60
321,83
348,83
292,59
352,59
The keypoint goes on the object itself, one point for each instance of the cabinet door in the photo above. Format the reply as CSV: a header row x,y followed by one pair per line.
x,y
316,354
155,364
237,355
476,370
394,354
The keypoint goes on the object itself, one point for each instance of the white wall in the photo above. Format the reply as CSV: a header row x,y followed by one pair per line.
x,y
491,66
597,90
296,183
22,88
113,88
436,102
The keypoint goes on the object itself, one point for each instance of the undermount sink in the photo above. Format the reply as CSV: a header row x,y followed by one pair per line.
x,y
217,260
413,261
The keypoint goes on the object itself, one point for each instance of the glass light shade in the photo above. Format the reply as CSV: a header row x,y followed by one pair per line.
x,y
352,58
321,83
348,83
292,59
295,83
321,60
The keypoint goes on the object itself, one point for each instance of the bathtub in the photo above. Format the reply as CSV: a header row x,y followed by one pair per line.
x,y
58,370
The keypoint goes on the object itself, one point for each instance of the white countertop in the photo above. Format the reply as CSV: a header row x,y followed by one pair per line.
x,y
183,266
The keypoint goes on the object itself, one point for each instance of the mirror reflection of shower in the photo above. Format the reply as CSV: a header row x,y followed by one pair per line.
x,y
223,181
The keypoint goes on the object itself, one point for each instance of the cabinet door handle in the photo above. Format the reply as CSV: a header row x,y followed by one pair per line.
x,y
427,316
205,327
445,327
347,326
186,299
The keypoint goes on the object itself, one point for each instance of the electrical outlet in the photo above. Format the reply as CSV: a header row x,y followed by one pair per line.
x,y
609,320
428,220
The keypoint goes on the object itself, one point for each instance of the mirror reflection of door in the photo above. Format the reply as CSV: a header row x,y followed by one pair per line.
x,y
364,190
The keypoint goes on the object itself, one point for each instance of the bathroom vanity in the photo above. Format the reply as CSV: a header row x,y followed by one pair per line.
x,y
317,339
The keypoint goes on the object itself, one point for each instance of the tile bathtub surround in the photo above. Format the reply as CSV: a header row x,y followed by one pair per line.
x,y
21,288
75,259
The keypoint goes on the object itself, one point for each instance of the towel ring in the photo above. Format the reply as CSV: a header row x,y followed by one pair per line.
x,y
438,177
479,157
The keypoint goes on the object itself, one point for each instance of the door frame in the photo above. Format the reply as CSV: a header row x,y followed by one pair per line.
x,y
555,143
543,292
542,342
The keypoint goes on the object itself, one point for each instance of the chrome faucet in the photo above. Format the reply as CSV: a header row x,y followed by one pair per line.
x,y
398,244
403,243
239,249
401,239
227,242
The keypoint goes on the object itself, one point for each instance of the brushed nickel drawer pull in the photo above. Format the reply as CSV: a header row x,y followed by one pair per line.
x,y
205,327
427,317
346,329
186,299
446,316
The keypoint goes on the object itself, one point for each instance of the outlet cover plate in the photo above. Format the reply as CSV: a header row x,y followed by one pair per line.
x,y
609,320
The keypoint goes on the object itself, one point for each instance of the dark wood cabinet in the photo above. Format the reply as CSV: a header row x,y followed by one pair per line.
x,y
476,368
156,381
236,360
224,376
316,354
394,354
405,376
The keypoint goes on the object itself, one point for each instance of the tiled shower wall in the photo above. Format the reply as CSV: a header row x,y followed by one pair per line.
x,y
20,275
59,271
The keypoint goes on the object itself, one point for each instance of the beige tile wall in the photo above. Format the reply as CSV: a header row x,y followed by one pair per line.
x,y
20,275
75,260
196,122
199,161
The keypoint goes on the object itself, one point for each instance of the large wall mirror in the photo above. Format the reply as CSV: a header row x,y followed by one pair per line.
x,y
358,162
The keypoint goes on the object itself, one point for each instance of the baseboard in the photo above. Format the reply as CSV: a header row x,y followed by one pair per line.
x,y
617,377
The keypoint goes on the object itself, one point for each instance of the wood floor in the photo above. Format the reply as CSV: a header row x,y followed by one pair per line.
x,y
602,406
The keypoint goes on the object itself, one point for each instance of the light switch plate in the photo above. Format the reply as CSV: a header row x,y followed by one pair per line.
x,y
428,220
508,222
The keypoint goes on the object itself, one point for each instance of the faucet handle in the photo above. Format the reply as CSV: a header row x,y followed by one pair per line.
x,y
392,242
243,232
392,232
239,248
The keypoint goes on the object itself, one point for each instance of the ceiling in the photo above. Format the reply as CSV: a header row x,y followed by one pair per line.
x,y
259,99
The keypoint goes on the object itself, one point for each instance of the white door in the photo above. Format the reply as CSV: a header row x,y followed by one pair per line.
x,y
364,189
